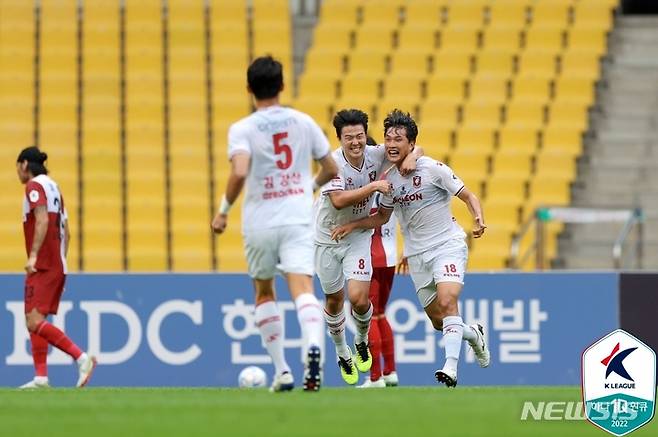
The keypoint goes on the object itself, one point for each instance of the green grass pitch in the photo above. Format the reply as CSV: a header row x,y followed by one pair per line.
x,y
400,412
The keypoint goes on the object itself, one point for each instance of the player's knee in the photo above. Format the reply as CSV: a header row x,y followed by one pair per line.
x,y
446,305
361,306
32,321
334,303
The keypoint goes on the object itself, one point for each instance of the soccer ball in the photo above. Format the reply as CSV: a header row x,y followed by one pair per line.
x,y
252,377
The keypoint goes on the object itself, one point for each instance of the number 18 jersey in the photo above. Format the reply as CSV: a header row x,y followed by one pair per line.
x,y
282,142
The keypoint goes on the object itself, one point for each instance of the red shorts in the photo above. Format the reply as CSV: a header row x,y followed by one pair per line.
x,y
43,290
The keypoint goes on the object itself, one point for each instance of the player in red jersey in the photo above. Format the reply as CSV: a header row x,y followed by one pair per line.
x,y
46,243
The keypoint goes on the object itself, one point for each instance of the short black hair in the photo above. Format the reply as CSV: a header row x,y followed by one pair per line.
x,y
265,77
398,118
35,160
350,117
370,141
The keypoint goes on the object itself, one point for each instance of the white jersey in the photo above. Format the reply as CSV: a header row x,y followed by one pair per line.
x,y
348,178
282,143
421,203
384,241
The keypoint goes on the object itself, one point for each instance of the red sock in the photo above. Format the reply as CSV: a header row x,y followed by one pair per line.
x,y
388,347
375,345
39,354
58,339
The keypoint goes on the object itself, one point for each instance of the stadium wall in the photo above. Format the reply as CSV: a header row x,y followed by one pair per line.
x,y
198,330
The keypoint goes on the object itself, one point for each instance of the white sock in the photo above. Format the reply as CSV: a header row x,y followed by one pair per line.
x,y
41,379
453,330
268,322
469,333
336,328
362,322
82,358
311,319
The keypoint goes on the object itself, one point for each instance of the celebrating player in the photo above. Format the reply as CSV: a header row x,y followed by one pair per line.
x,y
348,197
434,242
46,241
272,150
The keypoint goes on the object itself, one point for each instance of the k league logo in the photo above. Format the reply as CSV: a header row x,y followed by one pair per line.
x,y
619,383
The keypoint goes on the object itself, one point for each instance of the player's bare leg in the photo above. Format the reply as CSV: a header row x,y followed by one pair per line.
x,y
311,321
358,294
37,325
444,314
270,326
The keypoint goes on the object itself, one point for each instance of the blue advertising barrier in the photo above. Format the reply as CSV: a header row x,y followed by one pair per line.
x,y
198,330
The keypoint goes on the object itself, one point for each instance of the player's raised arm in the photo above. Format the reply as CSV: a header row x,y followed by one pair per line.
x,y
344,198
373,221
474,206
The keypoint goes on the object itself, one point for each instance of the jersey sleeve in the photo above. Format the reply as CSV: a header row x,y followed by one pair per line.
x,y
238,141
443,177
319,144
36,196
336,184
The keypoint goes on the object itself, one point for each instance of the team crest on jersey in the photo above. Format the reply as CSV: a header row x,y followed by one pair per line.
x,y
416,181
34,196
372,175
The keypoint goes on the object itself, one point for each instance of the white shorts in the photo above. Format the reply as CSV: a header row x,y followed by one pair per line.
x,y
349,260
444,263
283,249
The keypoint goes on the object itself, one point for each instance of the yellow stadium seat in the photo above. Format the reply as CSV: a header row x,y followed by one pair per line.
x,y
377,38
554,163
363,61
381,12
559,138
411,64
488,89
587,39
467,13
548,191
337,37
436,139
574,89
515,139
569,115
551,13
505,188
513,163
486,259
441,113
325,63
417,39
337,11
482,113
544,39
508,14
423,14
317,86
537,64
495,63
501,215
448,89
529,88
459,38
366,86
580,63
456,64
594,14
475,138
526,114
502,39
471,167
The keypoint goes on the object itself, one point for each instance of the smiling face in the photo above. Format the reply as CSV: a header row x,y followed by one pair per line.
x,y
397,144
353,142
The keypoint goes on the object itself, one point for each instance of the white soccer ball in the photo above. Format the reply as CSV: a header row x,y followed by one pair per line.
x,y
252,377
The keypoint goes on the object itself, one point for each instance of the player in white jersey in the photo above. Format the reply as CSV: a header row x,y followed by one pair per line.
x,y
272,151
345,198
433,241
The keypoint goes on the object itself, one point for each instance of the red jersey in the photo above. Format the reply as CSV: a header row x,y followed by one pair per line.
x,y
43,191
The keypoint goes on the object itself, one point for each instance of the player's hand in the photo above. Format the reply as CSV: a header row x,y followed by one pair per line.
x,y
408,165
479,228
30,266
219,223
383,186
403,266
341,231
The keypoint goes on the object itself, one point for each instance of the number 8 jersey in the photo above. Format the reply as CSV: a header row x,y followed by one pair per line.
x,y
282,142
